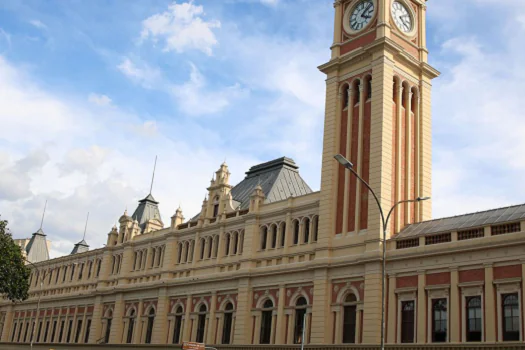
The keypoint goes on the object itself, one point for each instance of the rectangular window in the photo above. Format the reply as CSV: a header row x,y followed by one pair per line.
x,y
62,325
439,320
407,321
69,330
79,329
46,332
473,314
39,331
53,331
14,332
88,327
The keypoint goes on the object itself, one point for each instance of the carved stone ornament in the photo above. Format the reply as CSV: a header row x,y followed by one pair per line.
x,y
311,291
288,293
336,289
362,286
266,292
256,296
220,298
299,289
194,301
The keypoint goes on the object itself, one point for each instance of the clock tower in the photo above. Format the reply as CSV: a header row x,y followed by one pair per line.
x,y
378,115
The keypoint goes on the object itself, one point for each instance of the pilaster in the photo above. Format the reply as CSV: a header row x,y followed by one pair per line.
x,y
160,326
96,321
490,325
320,308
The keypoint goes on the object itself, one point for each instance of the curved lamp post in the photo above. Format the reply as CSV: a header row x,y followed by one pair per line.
x,y
384,220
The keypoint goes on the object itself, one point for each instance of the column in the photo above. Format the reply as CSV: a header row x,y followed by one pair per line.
x,y
288,232
417,165
358,325
211,320
408,158
337,33
220,243
320,308
256,322
115,336
421,308
489,307
83,327
169,257
391,320
161,318
185,336
372,304
399,105
348,150
8,324
137,332
243,333
337,324
280,317
454,306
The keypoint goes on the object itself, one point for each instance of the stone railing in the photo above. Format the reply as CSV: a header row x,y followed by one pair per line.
x,y
471,346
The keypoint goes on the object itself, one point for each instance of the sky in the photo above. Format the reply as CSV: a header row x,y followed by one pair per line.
x,y
92,91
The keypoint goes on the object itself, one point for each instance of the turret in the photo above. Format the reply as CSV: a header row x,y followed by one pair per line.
x,y
113,237
257,198
177,219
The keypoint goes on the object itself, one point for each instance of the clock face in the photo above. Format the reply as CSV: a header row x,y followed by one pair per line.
x,y
402,17
362,15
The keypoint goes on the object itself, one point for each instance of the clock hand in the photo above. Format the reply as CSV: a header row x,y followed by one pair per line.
x,y
366,10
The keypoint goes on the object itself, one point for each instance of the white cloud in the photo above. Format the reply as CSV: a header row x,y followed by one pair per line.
x,y
88,159
141,73
270,2
99,100
181,28
194,98
38,24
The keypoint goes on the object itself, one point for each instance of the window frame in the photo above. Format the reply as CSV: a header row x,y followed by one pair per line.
x,y
506,287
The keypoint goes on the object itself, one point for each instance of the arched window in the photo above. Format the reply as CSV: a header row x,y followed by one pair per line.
x,y
192,248
264,236
315,225
149,329
349,318
227,245
109,320
235,242
368,87
473,318
215,245
357,92
154,252
113,264
216,206
209,241
179,256
345,96
131,325
203,245
511,317
283,234
144,258
227,324
300,313
274,236
306,230
296,232
241,242
201,324
99,265
177,327
439,320
90,267
160,257
407,321
186,251
266,322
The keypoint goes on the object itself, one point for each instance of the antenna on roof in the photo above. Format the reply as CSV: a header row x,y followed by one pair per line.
x,y
153,176
85,227
43,215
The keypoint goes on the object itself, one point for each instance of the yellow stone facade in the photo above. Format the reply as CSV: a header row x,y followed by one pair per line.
x,y
256,275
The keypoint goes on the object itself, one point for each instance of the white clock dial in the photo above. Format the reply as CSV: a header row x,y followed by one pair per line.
x,y
402,17
362,15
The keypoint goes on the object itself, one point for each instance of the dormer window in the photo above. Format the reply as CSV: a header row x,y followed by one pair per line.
x,y
216,207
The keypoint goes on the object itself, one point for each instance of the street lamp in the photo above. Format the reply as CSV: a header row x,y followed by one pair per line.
x,y
348,165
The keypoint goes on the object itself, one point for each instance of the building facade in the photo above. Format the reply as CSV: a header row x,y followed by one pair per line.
x,y
268,261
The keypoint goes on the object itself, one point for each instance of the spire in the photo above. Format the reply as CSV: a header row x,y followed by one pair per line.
x,y
43,215
153,176
82,246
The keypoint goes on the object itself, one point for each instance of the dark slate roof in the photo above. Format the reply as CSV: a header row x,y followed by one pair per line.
x,y
466,221
148,209
278,178
80,247
36,249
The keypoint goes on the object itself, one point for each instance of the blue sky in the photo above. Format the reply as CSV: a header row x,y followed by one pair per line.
x,y
91,91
